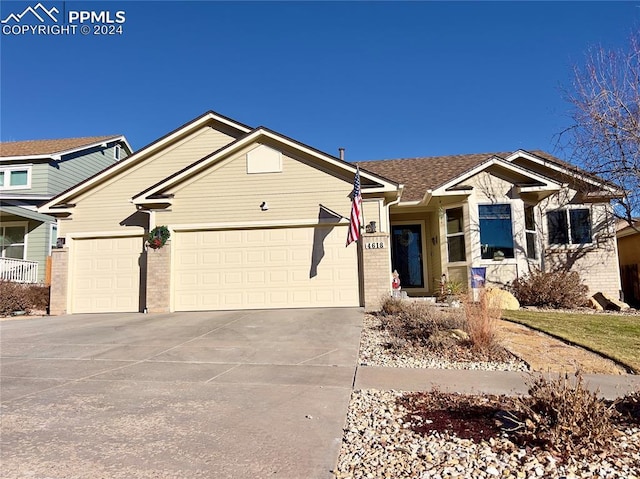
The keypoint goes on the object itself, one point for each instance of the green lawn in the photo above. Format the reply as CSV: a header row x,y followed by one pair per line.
x,y
612,335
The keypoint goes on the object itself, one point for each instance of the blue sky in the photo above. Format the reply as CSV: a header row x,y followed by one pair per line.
x,y
382,79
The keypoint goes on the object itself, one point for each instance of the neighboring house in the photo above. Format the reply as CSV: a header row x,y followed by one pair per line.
x,y
32,172
629,255
258,220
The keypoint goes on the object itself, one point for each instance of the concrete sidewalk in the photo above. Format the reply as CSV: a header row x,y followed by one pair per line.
x,y
478,382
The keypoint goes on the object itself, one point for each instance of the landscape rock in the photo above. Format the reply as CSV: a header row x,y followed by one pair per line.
x,y
610,303
499,298
594,304
459,334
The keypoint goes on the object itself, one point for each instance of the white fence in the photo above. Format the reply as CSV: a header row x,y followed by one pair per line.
x,y
18,270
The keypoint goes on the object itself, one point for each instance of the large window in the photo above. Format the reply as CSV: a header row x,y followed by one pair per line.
x,y
455,235
15,177
572,226
12,240
496,231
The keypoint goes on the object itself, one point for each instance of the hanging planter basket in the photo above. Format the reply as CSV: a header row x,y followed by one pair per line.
x,y
158,236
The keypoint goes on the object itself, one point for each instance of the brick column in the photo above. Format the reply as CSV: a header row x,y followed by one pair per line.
x,y
158,279
376,269
59,281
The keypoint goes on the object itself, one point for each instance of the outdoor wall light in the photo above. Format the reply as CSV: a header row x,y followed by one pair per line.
x,y
264,206
371,227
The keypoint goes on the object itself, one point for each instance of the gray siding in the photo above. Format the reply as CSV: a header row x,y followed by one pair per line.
x,y
75,168
38,245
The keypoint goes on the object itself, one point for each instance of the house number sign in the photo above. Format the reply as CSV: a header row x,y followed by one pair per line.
x,y
374,245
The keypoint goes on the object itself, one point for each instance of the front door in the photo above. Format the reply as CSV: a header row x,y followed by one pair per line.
x,y
406,254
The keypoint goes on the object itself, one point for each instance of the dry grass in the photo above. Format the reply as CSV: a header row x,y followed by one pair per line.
x,y
481,324
459,334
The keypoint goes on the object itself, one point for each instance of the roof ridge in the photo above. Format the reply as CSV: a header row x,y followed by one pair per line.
x,y
61,139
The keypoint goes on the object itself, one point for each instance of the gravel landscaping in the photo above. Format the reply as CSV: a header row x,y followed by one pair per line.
x,y
374,352
386,436
382,440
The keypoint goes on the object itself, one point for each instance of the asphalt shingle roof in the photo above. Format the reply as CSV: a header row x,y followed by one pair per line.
x,y
48,147
427,173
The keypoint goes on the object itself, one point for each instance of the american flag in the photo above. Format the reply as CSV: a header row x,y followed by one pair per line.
x,y
356,211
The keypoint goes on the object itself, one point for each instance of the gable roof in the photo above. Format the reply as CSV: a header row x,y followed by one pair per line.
x,y
420,175
47,148
425,173
261,133
144,152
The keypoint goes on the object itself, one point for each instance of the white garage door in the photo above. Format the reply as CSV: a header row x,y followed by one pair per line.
x,y
106,275
264,268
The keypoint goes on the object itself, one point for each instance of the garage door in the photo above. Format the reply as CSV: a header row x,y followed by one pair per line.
x,y
264,268
106,275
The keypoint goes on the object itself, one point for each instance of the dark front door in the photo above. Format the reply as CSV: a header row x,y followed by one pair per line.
x,y
406,254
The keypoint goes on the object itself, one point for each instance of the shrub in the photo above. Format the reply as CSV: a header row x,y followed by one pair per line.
x,y
553,289
481,324
417,322
22,297
565,416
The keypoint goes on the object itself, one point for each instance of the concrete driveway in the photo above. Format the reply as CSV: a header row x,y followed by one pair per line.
x,y
242,394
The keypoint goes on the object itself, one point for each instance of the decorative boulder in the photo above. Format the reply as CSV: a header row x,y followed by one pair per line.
x,y
593,304
499,298
607,302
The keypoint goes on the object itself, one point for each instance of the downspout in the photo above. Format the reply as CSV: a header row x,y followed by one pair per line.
x,y
150,226
388,208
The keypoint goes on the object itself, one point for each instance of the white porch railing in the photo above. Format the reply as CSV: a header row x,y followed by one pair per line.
x,y
18,270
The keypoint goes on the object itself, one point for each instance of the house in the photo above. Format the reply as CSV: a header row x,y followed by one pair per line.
x,y
32,172
259,220
629,256
505,212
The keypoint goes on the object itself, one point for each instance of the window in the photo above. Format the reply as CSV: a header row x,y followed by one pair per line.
x,y
496,231
12,240
15,177
455,235
572,226
116,152
530,232
53,237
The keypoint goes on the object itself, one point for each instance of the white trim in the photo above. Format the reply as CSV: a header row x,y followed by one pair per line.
x,y
494,160
103,234
144,153
18,196
253,225
247,140
7,170
25,225
52,226
554,166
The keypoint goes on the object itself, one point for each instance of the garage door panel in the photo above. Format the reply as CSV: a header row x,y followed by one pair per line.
x,y
267,268
105,275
